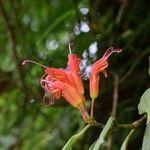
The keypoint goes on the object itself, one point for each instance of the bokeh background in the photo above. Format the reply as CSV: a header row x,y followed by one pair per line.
x,y
40,30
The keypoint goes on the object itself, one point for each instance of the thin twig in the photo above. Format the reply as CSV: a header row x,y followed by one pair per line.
x,y
114,106
133,66
121,10
115,95
135,124
132,125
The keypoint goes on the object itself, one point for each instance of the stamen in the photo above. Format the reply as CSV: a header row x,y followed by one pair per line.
x,y
46,81
49,99
105,73
41,81
30,61
111,50
69,47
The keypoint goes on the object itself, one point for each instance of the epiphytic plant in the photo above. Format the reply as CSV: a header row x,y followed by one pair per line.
x,y
67,83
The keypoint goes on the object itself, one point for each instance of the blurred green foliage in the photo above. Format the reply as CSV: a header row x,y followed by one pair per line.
x,y
40,30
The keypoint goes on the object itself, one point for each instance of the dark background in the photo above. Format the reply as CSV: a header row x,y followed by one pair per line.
x,y
40,30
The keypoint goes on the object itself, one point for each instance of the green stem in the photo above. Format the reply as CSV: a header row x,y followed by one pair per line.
x,y
85,115
135,124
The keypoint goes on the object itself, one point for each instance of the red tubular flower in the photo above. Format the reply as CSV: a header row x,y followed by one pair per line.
x,y
65,83
66,89
100,66
77,100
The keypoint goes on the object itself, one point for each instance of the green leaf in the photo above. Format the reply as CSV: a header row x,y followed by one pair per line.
x,y
75,138
125,143
144,105
146,139
103,135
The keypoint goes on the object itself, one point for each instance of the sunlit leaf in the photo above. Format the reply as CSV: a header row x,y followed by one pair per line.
x,y
144,105
146,139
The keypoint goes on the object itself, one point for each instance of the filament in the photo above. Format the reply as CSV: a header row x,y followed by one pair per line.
x,y
30,61
69,46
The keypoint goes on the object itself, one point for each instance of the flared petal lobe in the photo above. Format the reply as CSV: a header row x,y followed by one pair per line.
x,y
57,74
73,63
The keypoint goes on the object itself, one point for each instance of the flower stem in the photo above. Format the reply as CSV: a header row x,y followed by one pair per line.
x,y
85,114
92,108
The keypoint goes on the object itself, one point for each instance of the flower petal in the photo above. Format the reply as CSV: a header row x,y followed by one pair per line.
x,y
57,74
73,63
110,51
71,94
74,69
